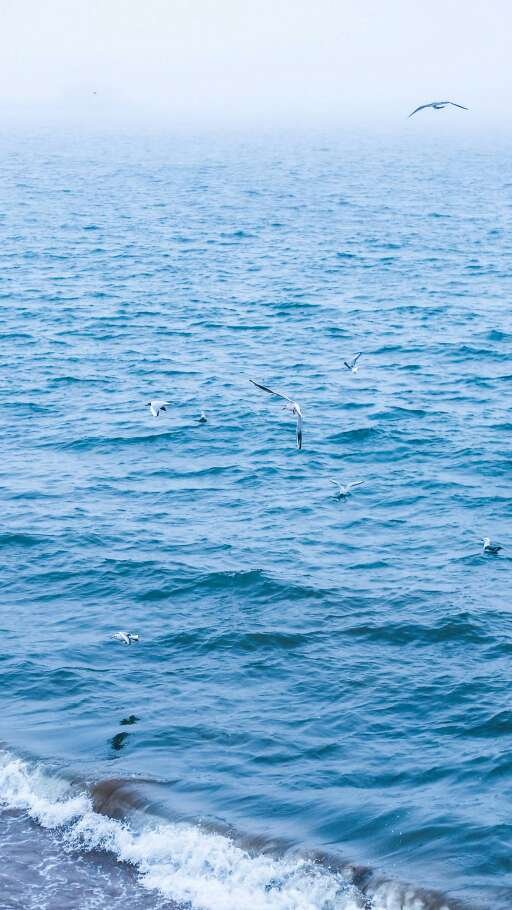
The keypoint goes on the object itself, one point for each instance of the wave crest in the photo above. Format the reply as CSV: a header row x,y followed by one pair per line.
x,y
199,868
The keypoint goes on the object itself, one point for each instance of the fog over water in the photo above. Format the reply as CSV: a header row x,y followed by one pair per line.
x,y
292,62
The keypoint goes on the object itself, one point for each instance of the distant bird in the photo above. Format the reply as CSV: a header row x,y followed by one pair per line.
x,y
352,365
345,490
492,548
438,106
291,406
126,637
156,406
203,418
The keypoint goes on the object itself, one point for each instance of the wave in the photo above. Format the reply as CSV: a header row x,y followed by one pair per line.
x,y
197,867
358,435
462,627
20,539
261,585
104,442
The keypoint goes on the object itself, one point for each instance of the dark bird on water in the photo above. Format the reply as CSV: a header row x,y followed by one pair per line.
x,y
438,106
489,547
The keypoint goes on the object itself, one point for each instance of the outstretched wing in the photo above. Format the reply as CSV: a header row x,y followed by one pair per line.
x,y
299,431
421,108
270,391
355,483
351,365
454,104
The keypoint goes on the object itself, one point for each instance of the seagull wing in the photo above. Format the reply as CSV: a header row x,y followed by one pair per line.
x,y
270,391
454,104
299,431
355,483
421,108
335,482
356,358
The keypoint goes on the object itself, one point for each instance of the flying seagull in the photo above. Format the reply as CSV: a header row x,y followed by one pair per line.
x,y
438,106
353,365
126,637
345,490
156,406
489,547
290,406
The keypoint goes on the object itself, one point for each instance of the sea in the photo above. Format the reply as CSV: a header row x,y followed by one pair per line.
x,y
317,714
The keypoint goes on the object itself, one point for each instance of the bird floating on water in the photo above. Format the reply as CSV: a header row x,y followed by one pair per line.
x,y
203,418
345,490
290,406
353,365
126,637
489,547
438,106
156,406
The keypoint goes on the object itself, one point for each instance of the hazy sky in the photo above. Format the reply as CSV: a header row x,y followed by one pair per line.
x,y
295,62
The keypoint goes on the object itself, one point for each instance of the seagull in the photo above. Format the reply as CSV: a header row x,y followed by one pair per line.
x,y
156,406
489,547
203,418
291,406
345,490
126,637
438,106
353,366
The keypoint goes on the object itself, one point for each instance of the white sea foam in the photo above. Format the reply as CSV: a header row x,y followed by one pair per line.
x,y
185,862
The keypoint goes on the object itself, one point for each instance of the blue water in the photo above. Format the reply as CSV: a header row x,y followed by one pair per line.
x,y
321,674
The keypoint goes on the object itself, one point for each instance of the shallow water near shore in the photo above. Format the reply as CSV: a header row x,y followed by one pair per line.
x,y
318,706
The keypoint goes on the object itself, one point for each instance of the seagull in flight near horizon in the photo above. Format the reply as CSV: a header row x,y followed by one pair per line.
x,y
290,406
353,365
345,490
439,106
126,637
489,547
156,406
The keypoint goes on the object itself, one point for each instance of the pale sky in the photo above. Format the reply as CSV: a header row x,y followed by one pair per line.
x,y
237,63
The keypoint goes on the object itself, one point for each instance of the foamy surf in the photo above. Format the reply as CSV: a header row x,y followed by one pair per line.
x,y
191,866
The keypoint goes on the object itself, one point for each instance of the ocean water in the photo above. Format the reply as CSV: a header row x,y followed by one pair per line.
x,y
317,715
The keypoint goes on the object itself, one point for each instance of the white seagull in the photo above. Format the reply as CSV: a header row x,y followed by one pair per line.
x,y
202,418
438,106
126,637
489,547
345,490
156,406
353,365
290,406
